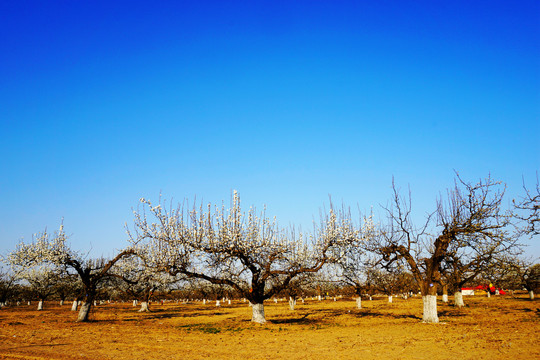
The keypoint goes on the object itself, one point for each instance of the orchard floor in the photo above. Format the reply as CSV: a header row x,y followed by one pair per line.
x,y
488,328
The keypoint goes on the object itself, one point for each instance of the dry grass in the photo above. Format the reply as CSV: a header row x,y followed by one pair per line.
x,y
494,328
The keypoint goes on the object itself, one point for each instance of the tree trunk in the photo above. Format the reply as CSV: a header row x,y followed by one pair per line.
x,y
144,307
258,313
359,302
389,299
134,302
86,306
292,303
75,305
430,309
84,311
458,299
531,294
445,293
62,302
40,305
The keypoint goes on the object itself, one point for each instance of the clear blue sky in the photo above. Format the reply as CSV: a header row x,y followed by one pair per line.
x,y
104,102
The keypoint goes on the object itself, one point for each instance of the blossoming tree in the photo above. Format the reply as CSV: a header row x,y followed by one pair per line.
x,y
47,250
247,252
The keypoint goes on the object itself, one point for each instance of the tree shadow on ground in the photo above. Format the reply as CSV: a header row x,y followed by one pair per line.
x,y
452,313
300,320
387,315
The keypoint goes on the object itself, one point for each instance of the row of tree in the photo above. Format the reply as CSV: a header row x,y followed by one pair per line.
x,y
469,234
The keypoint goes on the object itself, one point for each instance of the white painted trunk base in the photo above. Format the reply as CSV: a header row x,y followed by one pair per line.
x,y
61,302
258,314
430,309
390,299
445,298
531,294
84,311
292,304
458,299
359,302
40,305
75,305
144,307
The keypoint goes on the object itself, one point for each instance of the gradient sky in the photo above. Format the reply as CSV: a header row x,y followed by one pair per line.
x,y
104,102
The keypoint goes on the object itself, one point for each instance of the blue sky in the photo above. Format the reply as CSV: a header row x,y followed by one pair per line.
x,y
104,102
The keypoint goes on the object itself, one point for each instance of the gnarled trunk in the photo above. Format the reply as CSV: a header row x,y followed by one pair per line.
x,y
430,309
458,299
258,313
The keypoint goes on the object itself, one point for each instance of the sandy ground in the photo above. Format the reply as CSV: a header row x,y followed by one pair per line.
x,y
488,328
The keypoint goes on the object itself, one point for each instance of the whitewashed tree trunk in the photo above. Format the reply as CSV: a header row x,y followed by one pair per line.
x,y
445,293
390,299
218,303
320,298
488,294
430,309
61,302
359,302
531,294
258,314
275,300
29,303
84,311
144,307
370,298
204,301
458,299
40,305
292,303
134,302
229,301
75,305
